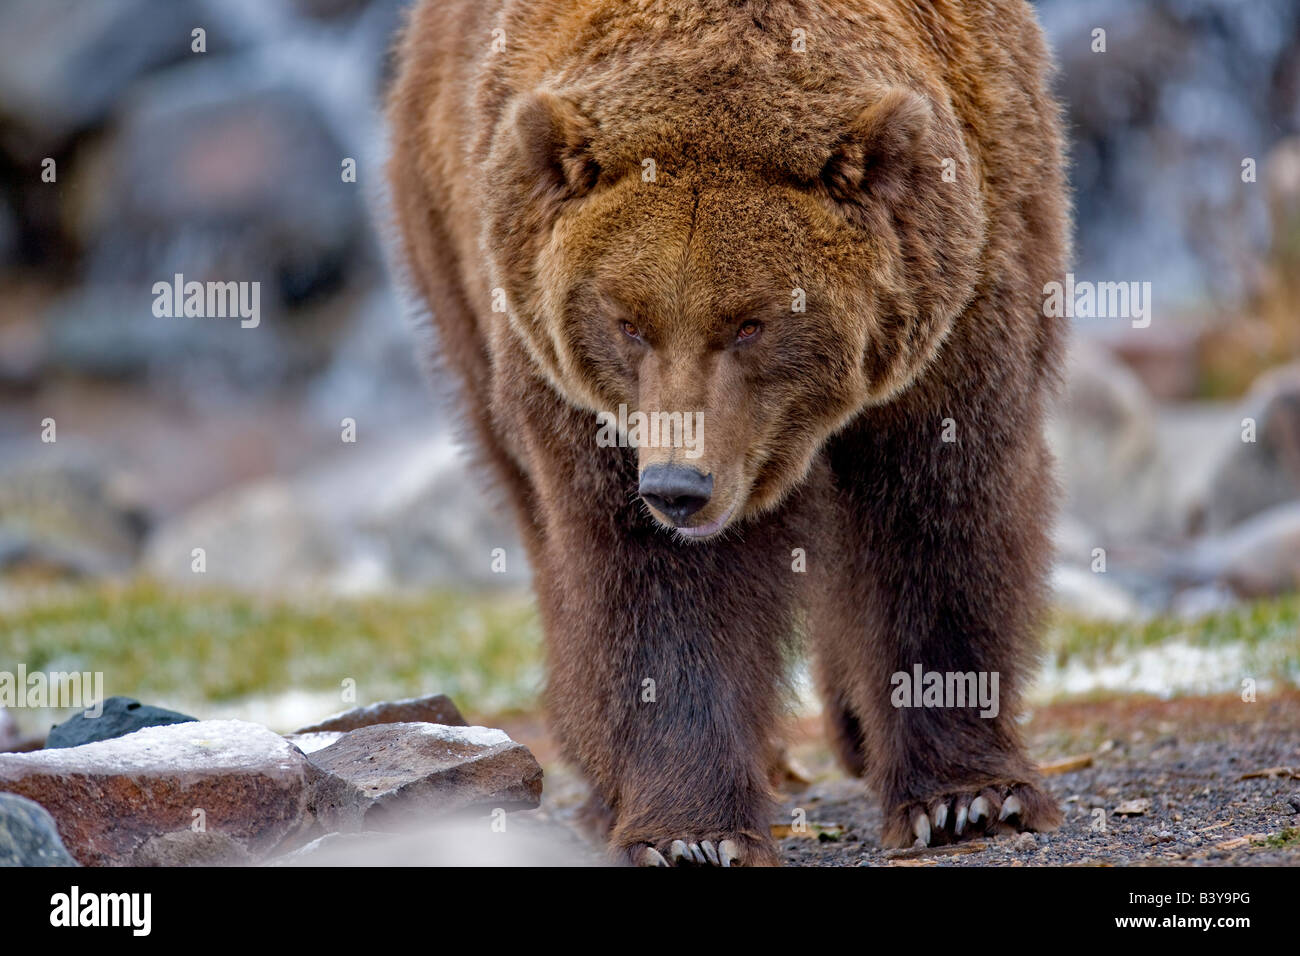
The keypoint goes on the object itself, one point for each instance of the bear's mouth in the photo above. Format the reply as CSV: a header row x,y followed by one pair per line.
x,y
707,530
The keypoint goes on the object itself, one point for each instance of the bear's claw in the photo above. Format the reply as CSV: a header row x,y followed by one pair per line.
x,y
957,816
724,853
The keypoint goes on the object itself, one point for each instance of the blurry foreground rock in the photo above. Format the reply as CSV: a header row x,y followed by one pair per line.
x,y
390,775
28,836
120,716
208,792
228,792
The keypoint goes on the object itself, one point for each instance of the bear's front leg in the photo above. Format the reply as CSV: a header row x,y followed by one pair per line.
x,y
931,630
665,663
665,666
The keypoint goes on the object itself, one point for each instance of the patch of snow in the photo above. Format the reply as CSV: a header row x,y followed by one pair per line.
x,y
310,743
1173,667
208,746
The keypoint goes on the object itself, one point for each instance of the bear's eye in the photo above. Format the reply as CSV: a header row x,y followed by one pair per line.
x,y
631,331
748,330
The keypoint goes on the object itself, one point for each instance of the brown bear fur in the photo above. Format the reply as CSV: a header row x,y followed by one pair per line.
x,y
520,131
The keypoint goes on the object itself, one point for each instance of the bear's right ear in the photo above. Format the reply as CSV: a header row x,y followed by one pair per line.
x,y
555,145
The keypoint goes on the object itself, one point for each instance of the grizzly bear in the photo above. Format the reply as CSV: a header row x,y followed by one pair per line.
x,y
745,301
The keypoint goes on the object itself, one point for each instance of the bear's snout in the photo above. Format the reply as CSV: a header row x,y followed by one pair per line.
x,y
675,491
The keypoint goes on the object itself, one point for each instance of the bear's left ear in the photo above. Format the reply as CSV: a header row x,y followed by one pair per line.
x,y
555,144
881,152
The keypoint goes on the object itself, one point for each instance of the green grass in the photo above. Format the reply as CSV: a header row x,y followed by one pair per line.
x,y
1255,624
484,651
1267,631
1290,837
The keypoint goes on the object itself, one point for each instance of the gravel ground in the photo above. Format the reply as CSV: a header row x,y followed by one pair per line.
x,y
1204,781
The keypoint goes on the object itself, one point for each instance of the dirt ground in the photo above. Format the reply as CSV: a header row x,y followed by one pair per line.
x,y
1196,781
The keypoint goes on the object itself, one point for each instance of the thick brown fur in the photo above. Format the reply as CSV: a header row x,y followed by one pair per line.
x,y
520,135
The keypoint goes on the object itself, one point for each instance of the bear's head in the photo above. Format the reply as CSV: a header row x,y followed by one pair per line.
x,y
721,314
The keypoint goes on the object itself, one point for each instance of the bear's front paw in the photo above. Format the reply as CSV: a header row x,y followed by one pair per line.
x,y
965,814
719,849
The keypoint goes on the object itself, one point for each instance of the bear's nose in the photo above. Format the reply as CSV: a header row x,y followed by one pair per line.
x,y
675,490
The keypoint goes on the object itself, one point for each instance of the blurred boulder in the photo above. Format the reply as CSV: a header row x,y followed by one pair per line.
x,y
404,512
64,64
1103,431
263,537
217,174
28,835
329,9
1091,595
1254,476
67,516
1258,558
9,735
1166,359
109,331
1160,123
120,716
12,739
8,233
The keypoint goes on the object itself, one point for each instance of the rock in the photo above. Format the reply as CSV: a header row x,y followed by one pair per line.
x,y
328,9
64,63
394,776
433,709
1024,843
1195,438
1259,558
1104,434
1133,808
1255,476
28,835
69,516
198,792
1090,595
312,742
401,512
9,735
216,174
12,739
1154,119
120,716
1165,358
1293,802
266,536
107,330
